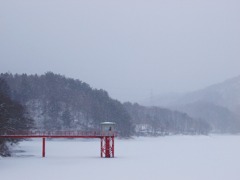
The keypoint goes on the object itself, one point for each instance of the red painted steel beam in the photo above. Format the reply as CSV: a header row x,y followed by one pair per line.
x,y
46,136
113,146
101,147
43,147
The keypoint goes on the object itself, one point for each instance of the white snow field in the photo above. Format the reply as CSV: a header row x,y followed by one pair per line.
x,y
213,157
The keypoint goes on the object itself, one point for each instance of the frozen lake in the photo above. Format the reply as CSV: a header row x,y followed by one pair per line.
x,y
213,157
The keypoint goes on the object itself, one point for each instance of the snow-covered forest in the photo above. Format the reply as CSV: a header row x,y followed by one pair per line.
x,y
54,102
13,116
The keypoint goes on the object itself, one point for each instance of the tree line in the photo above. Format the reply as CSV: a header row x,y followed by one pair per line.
x,y
54,102
162,121
59,103
13,117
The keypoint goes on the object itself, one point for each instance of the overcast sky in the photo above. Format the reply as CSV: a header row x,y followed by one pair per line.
x,y
131,48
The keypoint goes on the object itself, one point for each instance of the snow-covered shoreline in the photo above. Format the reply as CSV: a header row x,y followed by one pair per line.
x,y
213,157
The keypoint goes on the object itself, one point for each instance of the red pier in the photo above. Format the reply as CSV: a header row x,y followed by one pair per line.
x,y
106,138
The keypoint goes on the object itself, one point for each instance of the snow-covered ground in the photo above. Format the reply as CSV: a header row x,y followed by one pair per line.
x,y
163,158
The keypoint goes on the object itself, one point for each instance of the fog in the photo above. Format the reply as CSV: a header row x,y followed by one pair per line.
x,y
131,48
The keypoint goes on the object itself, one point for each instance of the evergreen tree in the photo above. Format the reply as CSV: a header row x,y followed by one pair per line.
x,y
67,119
13,117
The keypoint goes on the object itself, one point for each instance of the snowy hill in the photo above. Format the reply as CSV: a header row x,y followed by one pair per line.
x,y
217,104
56,103
162,121
59,103
226,94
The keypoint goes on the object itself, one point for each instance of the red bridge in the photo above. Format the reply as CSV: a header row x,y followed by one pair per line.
x,y
106,138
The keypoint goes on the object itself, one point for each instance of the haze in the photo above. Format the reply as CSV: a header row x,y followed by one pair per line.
x,y
131,48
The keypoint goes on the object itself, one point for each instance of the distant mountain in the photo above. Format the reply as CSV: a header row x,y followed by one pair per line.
x,y
221,119
226,94
218,104
59,103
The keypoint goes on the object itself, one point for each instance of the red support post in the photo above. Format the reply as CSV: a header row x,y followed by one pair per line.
x,y
43,147
101,148
107,147
113,146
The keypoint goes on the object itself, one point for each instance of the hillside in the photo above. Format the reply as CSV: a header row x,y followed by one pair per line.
x,y
59,103
218,104
221,119
56,103
162,121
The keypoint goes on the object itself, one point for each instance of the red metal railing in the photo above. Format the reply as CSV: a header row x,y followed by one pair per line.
x,y
58,133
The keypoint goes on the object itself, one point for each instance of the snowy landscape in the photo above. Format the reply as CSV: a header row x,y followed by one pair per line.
x,y
213,157
154,84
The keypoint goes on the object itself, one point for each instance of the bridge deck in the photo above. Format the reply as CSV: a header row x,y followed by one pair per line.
x,y
56,134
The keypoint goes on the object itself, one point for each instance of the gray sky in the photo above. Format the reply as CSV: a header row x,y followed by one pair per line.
x,y
131,48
